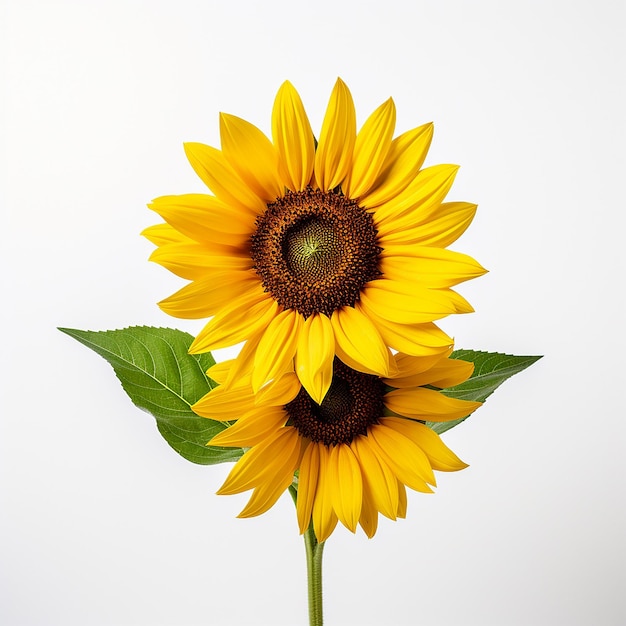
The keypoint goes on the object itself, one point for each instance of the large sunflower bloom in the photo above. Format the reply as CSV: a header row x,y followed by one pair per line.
x,y
355,453
309,251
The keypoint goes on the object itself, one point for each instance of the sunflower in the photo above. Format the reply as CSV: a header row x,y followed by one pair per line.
x,y
354,454
310,250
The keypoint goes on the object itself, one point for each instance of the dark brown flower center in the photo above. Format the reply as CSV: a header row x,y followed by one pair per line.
x,y
353,403
314,251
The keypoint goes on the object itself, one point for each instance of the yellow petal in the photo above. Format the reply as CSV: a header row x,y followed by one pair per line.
x,y
277,348
439,229
307,485
409,365
293,138
219,371
205,297
381,481
405,303
370,149
443,373
240,371
204,218
347,485
432,267
333,158
418,201
217,174
251,428
359,341
163,234
402,500
428,405
369,514
195,261
404,159
314,356
247,316
324,516
405,459
252,155
423,340
224,404
279,392
272,457
265,495
441,458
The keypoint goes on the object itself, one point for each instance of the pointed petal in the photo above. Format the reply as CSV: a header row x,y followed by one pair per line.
x,y
418,201
333,158
441,458
439,229
314,356
369,514
251,428
204,218
252,155
409,365
274,456
423,340
217,174
265,495
405,303
194,261
431,267
240,371
293,138
370,149
203,298
402,164
324,517
279,392
428,405
247,316
219,371
405,459
164,234
224,404
359,341
402,500
307,485
276,348
381,481
347,485
443,373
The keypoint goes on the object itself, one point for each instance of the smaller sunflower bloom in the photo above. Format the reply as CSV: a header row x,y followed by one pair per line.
x,y
354,454
314,250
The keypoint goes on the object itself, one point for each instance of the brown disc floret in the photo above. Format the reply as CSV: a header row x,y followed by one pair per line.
x,y
352,404
314,251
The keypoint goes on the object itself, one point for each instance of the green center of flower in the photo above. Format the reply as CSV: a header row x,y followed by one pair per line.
x,y
352,404
314,251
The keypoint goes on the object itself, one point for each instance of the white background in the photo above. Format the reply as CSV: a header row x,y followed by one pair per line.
x,y
101,522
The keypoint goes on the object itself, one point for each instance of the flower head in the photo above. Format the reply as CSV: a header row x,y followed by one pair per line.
x,y
309,251
355,453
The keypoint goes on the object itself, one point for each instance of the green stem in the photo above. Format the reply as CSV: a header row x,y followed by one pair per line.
x,y
314,553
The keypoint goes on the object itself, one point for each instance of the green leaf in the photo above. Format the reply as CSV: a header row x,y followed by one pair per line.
x,y
491,369
161,377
